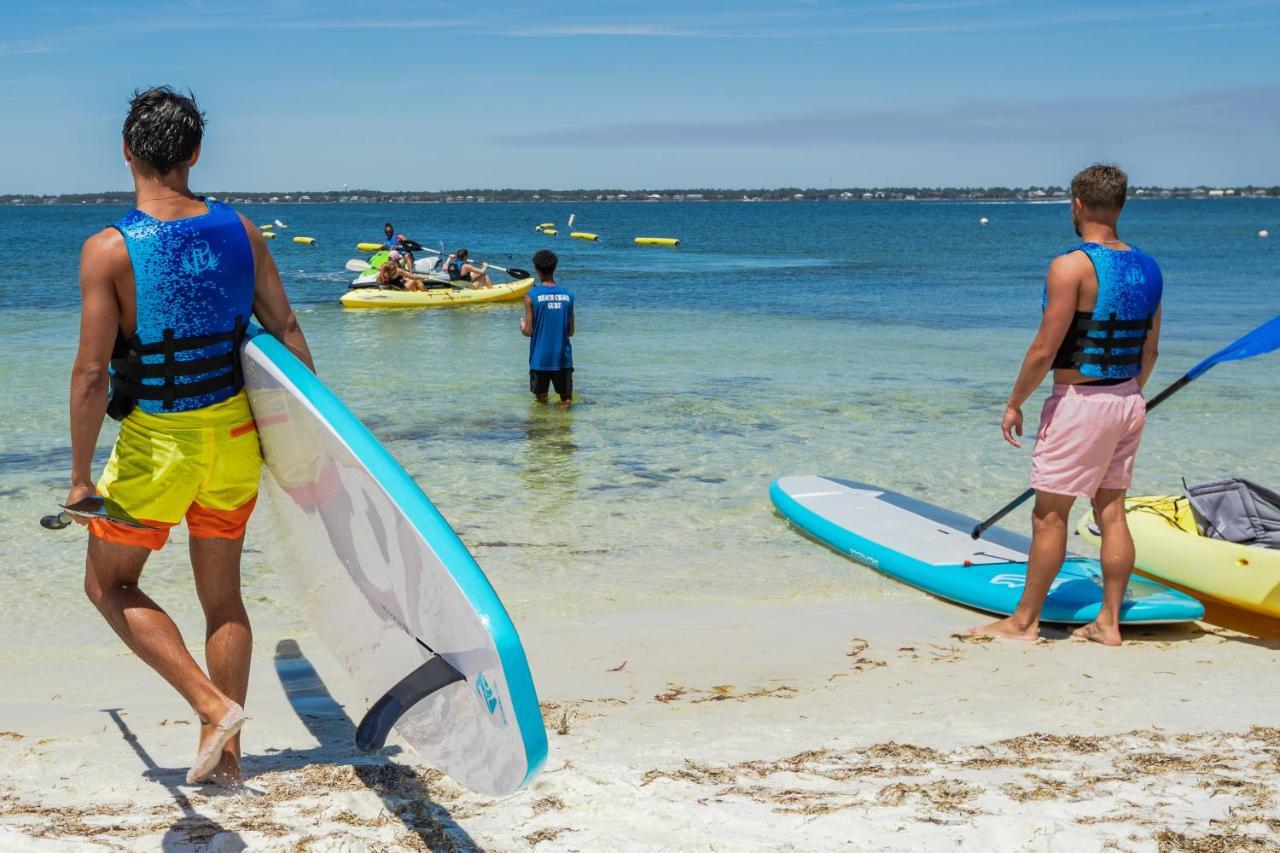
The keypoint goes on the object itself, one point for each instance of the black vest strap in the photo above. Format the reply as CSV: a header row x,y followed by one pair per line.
x,y
128,369
1109,347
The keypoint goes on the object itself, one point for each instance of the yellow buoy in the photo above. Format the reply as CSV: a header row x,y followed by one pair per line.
x,y
306,241
550,232
270,235
657,241
266,227
545,225
583,235
368,247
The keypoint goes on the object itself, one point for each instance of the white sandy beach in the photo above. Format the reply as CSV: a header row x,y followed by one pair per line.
x,y
792,727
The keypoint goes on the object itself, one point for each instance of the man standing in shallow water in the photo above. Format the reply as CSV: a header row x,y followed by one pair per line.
x,y
548,324
167,292
1099,333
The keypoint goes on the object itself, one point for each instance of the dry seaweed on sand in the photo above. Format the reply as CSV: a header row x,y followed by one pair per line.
x,y
946,795
550,833
857,650
723,692
1228,841
673,692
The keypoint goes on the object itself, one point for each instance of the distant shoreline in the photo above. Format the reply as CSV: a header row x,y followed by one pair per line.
x,y
786,194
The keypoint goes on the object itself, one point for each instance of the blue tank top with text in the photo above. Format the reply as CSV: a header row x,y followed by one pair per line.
x,y
550,347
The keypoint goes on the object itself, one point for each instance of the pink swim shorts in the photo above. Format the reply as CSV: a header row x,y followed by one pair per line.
x,y
1088,438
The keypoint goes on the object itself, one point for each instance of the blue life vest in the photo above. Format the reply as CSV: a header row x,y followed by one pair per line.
x,y
1106,343
550,347
454,268
193,284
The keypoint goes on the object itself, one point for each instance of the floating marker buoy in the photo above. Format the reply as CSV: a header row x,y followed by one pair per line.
x,y
270,235
368,247
544,225
306,241
550,232
280,224
583,235
266,227
1264,233
983,221
657,241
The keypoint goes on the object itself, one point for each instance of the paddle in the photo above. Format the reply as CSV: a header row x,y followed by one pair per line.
x,y
92,507
357,265
1261,340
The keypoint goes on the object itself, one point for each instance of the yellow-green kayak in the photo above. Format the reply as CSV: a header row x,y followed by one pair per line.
x,y
1170,548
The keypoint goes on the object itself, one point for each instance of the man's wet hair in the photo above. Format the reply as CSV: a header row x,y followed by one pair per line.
x,y
163,128
462,254
387,226
1101,186
545,263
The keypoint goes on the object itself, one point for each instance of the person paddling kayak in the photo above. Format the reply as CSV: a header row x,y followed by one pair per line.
x,y
1099,333
167,293
460,268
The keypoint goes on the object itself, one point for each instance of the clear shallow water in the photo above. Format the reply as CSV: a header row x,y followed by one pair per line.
x,y
873,341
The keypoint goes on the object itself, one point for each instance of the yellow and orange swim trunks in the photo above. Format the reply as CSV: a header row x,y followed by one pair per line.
x,y
201,465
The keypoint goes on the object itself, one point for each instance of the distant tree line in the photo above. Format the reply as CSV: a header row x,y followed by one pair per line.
x,y
474,196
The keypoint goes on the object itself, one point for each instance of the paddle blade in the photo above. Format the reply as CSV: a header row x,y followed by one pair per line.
x,y
357,265
99,507
1261,340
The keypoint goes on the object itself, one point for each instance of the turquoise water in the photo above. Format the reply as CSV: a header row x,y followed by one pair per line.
x,y
870,341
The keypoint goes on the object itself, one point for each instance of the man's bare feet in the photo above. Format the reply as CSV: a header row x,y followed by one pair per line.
x,y
1107,636
227,773
214,735
1007,629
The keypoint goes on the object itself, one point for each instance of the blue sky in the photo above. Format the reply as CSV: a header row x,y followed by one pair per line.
x,y
303,94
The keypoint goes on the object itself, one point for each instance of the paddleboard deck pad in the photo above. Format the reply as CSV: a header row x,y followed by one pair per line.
x,y
388,586
930,548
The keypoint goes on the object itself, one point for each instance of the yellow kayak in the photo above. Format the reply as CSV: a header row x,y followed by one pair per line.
x,y
1170,548
442,297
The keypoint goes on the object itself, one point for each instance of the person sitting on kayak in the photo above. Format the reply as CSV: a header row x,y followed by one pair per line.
x,y
1099,334
395,243
460,269
392,275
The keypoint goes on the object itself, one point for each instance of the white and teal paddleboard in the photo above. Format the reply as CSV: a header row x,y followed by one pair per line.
x,y
389,587
930,548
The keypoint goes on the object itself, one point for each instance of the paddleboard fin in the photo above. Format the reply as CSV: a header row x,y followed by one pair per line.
x,y
436,673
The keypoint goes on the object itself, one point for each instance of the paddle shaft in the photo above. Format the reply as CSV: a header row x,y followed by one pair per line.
x,y
982,526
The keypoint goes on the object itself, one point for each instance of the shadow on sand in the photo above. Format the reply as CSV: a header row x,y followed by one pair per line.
x,y
193,828
329,724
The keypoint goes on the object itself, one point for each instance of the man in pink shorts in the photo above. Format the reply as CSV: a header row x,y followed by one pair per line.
x,y
1099,334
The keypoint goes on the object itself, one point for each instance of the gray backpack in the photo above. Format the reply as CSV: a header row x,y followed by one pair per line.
x,y
1236,510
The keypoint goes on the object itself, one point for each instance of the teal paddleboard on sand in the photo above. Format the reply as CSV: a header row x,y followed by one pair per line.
x,y
930,548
